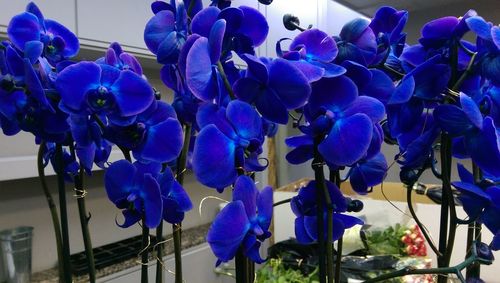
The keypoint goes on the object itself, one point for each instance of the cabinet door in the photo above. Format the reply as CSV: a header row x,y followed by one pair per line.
x,y
306,11
106,21
62,11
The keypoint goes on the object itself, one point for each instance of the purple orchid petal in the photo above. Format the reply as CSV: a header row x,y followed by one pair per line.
x,y
380,87
254,25
299,140
472,111
335,94
158,28
131,62
452,119
179,194
214,168
265,207
15,62
75,81
185,51
152,202
440,28
171,213
33,50
228,231
162,143
131,217
300,154
247,89
358,73
484,149
479,26
403,92
158,6
464,174
203,21
271,107
370,106
245,120
23,28
318,44
35,86
215,40
71,43
246,192
495,35
133,93
311,72
291,86
199,74
300,231
256,68
109,75
348,140
118,180
33,8
368,174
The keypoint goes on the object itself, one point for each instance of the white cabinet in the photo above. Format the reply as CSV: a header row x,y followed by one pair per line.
x,y
62,11
105,21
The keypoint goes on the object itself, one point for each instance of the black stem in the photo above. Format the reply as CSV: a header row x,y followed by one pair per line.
x,y
419,223
338,262
241,267
84,223
52,207
474,230
177,238
144,255
177,228
282,202
64,212
317,165
159,251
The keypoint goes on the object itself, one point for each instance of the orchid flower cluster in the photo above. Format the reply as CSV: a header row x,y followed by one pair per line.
x,y
89,107
353,91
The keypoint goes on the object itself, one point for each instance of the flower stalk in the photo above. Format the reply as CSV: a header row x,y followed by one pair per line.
x,y
64,213
53,209
325,247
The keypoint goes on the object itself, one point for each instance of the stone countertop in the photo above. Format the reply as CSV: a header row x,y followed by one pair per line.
x,y
190,237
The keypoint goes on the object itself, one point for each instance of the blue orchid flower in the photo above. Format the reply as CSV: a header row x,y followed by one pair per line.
x,y
368,173
480,136
32,33
304,206
312,52
176,201
356,42
90,88
226,141
246,28
201,64
134,188
480,202
156,135
336,110
488,47
242,223
274,86
387,25
166,32
116,57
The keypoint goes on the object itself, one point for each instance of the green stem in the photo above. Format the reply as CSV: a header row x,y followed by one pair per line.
x,y
64,213
338,261
144,255
53,209
84,223
474,230
227,84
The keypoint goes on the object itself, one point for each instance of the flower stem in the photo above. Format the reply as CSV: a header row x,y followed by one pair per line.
x,y
53,209
448,203
64,212
335,178
474,231
84,223
227,84
241,267
319,177
159,250
144,255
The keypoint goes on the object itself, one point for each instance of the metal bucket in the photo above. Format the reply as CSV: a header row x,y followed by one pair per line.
x,y
15,245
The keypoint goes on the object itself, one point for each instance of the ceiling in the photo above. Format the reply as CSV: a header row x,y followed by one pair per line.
x,y
368,7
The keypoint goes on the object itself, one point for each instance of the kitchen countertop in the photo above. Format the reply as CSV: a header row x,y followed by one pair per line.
x,y
190,237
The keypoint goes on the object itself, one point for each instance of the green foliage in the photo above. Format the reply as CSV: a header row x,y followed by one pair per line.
x,y
274,271
386,242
